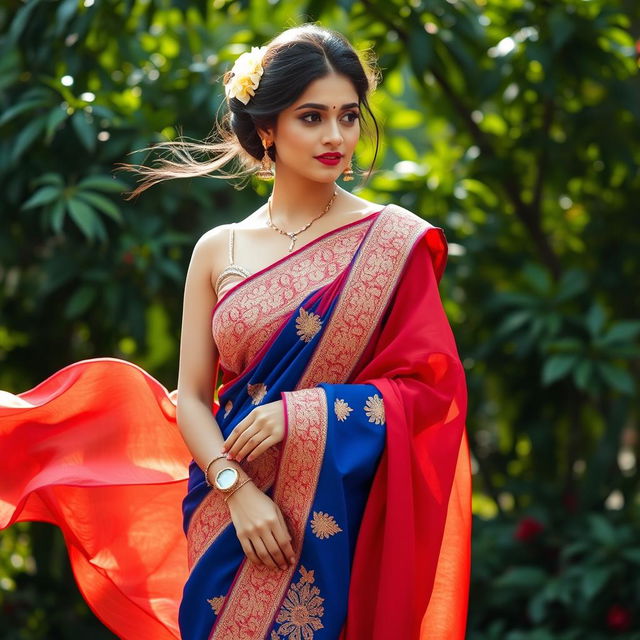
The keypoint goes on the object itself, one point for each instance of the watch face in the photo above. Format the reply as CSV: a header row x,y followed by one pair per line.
x,y
226,478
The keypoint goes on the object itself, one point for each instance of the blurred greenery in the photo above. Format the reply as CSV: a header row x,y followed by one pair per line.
x,y
513,124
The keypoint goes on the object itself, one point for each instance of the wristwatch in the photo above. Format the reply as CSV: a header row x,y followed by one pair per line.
x,y
227,479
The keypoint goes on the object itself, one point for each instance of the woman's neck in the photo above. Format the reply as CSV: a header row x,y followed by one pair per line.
x,y
295,202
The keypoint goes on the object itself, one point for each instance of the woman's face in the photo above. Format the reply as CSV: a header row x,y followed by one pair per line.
x,y
324,120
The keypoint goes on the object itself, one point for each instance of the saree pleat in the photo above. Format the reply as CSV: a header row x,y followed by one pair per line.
x,y
372,476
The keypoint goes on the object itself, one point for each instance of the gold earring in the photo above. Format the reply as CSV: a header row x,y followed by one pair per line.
x,y
347,174
265,172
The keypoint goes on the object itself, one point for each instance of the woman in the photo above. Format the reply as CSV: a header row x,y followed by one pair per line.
x,y
329,491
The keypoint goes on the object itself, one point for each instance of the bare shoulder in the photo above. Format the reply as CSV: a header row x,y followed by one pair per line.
x,y
361,207
215,237
210,252
254,219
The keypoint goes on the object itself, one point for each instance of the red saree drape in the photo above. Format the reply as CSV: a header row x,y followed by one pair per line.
x,y
413,557
95,450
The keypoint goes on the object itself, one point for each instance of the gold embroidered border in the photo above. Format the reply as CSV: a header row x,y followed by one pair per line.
x,y
365,296
212,516
258,590
247,316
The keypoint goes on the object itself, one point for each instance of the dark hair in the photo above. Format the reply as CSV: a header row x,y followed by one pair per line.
x,y
293,59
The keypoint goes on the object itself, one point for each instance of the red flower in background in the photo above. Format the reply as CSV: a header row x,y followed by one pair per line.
x,y
527,529
618,618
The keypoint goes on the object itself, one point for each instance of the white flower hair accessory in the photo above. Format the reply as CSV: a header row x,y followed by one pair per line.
x,y
243,79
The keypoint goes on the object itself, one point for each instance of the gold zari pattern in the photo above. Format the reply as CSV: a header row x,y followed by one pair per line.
x,y
342,409
257,392
307,324
374,408
324,525
216,603
301,610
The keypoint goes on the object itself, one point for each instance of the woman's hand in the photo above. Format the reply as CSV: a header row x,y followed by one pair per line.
x,y
256,432
261,528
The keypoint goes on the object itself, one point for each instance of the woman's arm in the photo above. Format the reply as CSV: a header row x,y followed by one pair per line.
x,y
198,358
259,524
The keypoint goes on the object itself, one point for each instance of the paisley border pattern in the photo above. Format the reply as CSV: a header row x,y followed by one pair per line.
x,y
365,296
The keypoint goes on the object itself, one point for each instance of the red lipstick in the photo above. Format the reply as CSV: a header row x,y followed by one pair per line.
x,y
331,159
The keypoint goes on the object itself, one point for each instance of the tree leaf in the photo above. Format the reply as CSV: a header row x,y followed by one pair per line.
x,y
43,196
582,374
624,331
80,301
420,48
100,203
557,367
50,178
617,378
84,216
85,130
21,107
56,215
602,529
594,580
526,578
103,183
595,319
26,137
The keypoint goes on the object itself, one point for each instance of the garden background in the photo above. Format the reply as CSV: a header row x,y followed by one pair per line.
x,y
512,124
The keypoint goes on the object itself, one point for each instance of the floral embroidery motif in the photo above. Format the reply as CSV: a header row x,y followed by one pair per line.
x,y
324,525
257,392
374,408
307,324
342,409
216,603
301,610
227,408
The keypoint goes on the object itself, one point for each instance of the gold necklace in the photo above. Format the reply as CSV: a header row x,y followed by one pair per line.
x,y
292,234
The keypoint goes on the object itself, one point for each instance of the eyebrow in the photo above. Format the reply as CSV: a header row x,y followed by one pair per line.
x,y
323,107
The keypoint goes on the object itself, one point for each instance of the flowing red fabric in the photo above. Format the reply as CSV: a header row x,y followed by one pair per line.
x,y
410,574
95,449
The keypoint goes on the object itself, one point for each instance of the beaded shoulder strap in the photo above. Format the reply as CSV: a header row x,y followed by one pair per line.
x,y
231,230
231,269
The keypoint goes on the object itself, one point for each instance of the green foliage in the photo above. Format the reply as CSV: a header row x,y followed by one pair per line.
x,y
511,124
561,578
